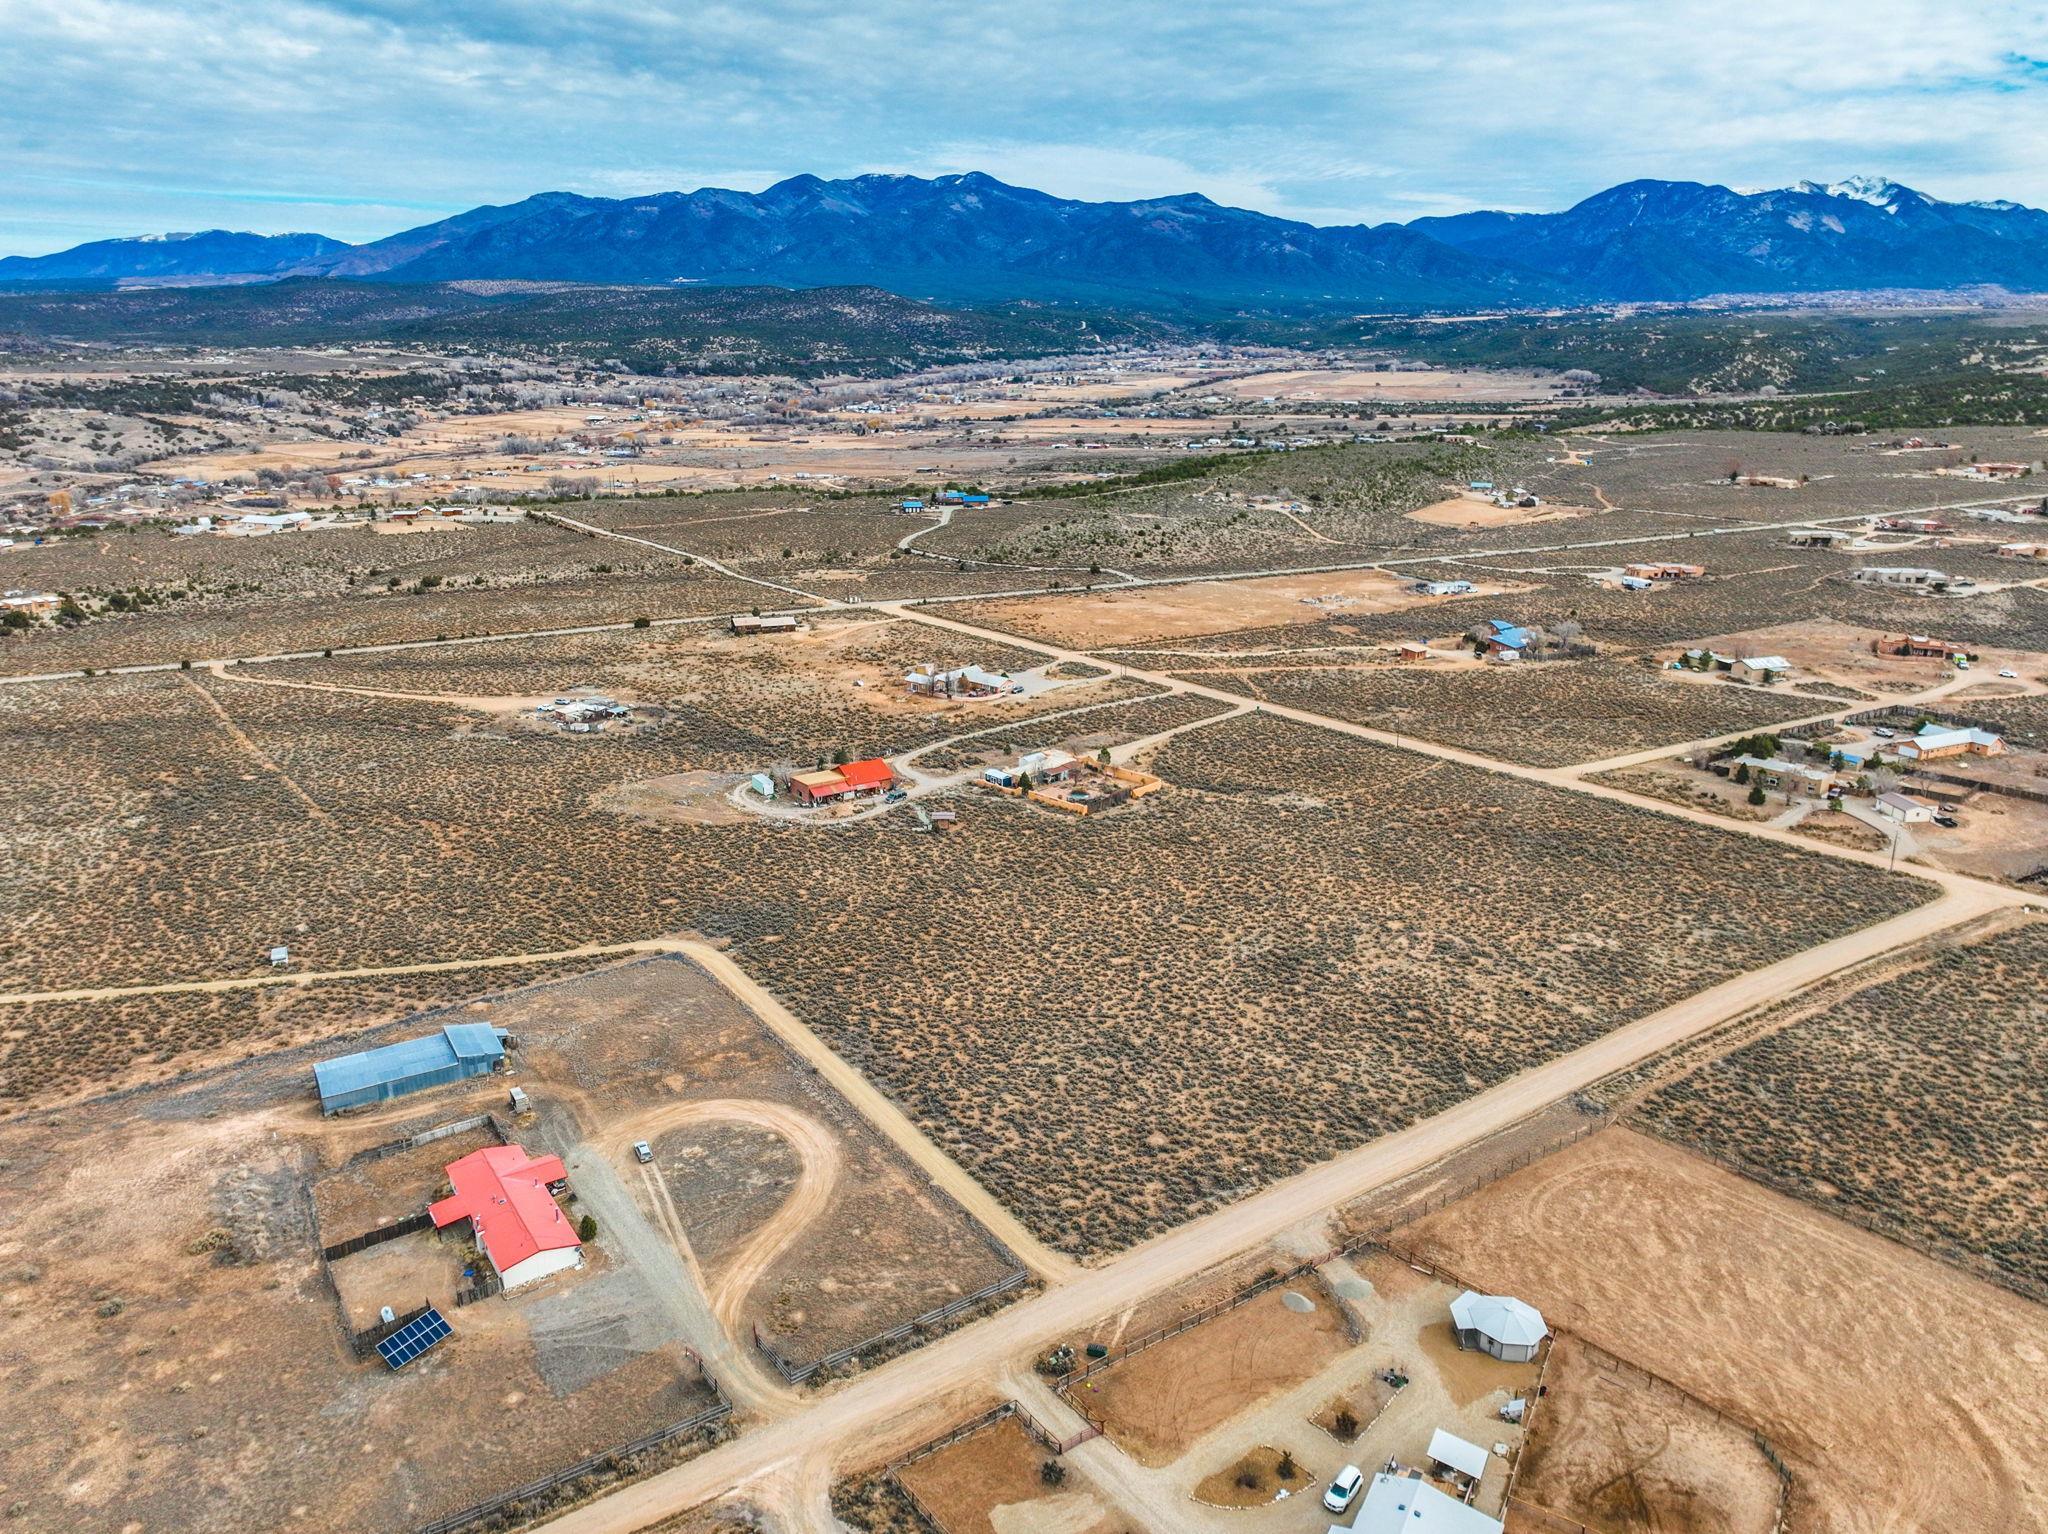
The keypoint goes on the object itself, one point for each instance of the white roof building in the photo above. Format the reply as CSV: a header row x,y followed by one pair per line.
x,y
1401,1504
1468,1459
1508,1328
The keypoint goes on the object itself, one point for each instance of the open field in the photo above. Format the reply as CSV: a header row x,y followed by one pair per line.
x,y
218,597
1613,1451
1107,619
1914,1104
1813,1331
1370,387
1544,713
1106,1120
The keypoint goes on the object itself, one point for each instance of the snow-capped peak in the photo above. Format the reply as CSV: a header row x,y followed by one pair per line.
x,y
1878,191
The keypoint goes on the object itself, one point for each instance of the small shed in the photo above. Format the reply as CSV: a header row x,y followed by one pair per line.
x,y
1498,1324
1452,1453
280,956
458,1052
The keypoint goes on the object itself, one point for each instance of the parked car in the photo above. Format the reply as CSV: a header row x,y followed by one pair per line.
x,y
1884,732
1948,822
2007,672
1344,1487
642,1151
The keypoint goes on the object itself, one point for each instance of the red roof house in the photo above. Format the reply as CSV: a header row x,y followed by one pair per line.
x,y
503,1193
869,775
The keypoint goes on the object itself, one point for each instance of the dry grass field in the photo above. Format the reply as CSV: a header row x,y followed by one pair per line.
x,y
1612,1451
1902,1393
1152,614
1915,1104
1545,714
1346,973
223,597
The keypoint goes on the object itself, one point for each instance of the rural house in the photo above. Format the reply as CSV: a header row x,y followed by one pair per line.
x,y
1933,743
1406,1504
1915,646
508,1197
871,775
1761,669
961,682
1664,572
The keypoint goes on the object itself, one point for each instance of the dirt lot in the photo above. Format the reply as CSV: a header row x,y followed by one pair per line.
x,y
1826,650
1110,618
1369,387
1476,511
1611,1450
1765,1308
1157,1404
990,1484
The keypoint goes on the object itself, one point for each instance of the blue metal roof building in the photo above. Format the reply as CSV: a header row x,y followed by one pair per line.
x,y
458,1052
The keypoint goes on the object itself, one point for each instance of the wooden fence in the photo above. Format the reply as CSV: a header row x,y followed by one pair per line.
x,y
411,1224
364,1343
797,1374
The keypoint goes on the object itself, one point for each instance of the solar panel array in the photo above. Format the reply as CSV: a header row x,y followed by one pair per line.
x,y
414,1338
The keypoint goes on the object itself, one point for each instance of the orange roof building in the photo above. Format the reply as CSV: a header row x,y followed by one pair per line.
x,y
506,1196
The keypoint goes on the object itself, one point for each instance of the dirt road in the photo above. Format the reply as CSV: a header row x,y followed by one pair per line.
x,y
920,1384
883,1114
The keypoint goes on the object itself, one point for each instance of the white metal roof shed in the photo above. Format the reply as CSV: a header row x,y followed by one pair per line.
x,y
1449,1449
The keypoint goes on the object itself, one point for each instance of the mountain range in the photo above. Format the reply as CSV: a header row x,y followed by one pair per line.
x,y
973,238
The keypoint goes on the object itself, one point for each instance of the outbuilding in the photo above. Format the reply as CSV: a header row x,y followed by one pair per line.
x,y
1906,809
1449,1452
458,1052
1499,1325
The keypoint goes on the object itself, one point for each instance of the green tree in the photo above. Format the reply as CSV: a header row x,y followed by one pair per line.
x,y
586,1228
1756,794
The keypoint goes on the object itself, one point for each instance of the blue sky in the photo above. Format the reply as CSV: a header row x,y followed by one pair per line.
x,y
360,117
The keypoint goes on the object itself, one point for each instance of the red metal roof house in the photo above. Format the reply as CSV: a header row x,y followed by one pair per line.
x,y
503,1193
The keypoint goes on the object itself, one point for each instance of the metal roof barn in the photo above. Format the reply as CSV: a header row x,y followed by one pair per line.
x,y
458,1052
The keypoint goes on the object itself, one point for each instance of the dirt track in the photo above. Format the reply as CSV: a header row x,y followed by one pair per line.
x,y
819,1164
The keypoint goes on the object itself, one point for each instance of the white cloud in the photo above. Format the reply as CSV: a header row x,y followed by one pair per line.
x,y
150,113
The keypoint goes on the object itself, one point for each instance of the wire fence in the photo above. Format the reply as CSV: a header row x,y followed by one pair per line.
x,y
611,1461
797,1374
